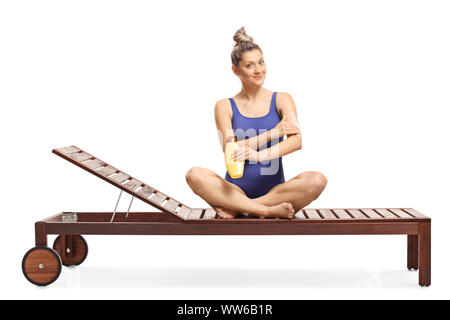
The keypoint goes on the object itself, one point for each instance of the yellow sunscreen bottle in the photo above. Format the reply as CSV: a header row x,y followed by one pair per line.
x,y
235,168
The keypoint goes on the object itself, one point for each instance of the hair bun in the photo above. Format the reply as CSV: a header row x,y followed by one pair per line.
x,y
241,36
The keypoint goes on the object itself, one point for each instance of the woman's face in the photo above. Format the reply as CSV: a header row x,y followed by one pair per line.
x,y
252,68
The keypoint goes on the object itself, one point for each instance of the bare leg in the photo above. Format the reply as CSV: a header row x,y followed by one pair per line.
x,y
225,212
222,194
300,190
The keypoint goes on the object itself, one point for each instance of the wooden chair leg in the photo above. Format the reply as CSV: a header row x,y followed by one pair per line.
x,y
424,253
40,229
413,252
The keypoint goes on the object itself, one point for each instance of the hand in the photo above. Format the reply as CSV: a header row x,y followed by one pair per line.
x,y
287,127
245,153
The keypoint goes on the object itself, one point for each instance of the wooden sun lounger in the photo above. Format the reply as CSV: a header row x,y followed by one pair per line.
x,y
41,265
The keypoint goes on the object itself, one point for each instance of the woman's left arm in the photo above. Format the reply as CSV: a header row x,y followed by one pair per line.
x,y
293,142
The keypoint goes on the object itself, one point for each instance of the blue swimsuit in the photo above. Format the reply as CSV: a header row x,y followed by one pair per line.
x,y
260,177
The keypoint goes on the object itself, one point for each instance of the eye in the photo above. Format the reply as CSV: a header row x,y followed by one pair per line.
x,y
261,62
249,65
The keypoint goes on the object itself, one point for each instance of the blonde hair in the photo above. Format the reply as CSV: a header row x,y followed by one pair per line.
x,y
243,43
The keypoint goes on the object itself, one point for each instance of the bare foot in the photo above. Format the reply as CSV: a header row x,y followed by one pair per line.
x,y
226,213
282,210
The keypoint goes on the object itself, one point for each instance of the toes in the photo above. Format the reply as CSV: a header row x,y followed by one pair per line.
x,y
287,205
224,215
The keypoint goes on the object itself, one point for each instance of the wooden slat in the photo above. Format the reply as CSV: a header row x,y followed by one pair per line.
x,y
327,214
171,205
132,184
146,191
299,215
356,214
106,171
385,213
158,197
68,150
400,213
209,214
372,214
120,177
184,212
112,175
415,213
312,214
93,164
80,156
195,213
342,214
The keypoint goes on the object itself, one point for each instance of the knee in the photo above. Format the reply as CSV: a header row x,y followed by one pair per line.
x,y
195,178
316,183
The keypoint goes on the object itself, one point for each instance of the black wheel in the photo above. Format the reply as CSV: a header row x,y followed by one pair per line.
x,y
41,265
74,256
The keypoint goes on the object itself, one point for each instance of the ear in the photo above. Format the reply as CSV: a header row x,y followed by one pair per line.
x,y
235,70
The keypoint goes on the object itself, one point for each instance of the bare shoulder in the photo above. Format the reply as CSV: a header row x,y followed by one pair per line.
x,y
222,107
285,103
221,103
284,97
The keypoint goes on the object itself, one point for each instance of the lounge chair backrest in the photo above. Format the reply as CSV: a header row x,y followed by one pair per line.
x,y
123,181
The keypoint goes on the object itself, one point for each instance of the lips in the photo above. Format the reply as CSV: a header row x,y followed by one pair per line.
x,y
260,77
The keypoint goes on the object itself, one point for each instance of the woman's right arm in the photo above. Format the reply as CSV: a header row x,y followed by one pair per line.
x,y
223,122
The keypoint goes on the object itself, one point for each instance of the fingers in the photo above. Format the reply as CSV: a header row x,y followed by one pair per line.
x,y
292,130
240,154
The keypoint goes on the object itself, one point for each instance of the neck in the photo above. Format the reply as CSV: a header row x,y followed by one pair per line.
x,y
251,93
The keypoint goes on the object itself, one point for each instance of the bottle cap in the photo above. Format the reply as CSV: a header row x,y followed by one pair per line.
x,y
231,139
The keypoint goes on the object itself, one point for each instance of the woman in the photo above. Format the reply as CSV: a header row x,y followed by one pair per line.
x,y
262,190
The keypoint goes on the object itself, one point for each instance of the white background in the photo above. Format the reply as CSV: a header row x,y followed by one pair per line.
x,y
135,83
